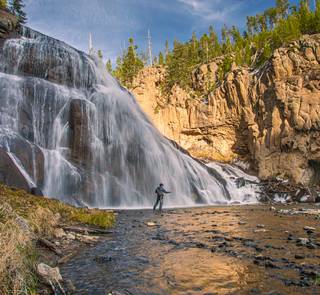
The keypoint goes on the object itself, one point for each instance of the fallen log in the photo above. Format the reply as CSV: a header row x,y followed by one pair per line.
x,y
50,246
66,258
87,230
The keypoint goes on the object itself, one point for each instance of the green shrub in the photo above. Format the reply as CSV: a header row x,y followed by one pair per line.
x,y
3,3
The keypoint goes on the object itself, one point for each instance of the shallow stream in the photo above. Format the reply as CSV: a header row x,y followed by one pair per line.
x,y
216,250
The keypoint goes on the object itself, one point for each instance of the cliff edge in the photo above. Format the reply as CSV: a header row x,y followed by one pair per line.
x,y
269,116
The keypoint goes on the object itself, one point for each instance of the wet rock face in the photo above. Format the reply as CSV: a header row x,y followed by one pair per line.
x,y
10,174
271,116
49,59
80,138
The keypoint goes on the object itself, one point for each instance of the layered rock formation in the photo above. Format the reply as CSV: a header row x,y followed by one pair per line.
x,y
69,130
270,116
8,23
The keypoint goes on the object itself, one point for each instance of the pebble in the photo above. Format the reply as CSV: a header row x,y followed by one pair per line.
x,y
309,229
102,259
260,230
250,244
242,222
302,241
260,226
59,233
299,256
290,237
311,246
229,239
151,223
71,236
270,264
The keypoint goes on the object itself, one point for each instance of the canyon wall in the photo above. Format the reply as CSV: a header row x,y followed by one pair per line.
x,y
69,130
269,116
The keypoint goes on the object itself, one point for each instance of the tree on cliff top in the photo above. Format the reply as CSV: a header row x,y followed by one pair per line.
x,y
266,31
16,7
128,65
109,66
3,3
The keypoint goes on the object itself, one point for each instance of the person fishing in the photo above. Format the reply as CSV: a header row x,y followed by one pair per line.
x,y
160,191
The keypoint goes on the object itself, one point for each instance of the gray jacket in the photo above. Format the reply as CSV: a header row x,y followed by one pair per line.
x,y
160,191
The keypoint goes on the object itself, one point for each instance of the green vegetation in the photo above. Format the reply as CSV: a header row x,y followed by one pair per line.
x,y
109,66
273,28
100,54
24,218
128,65
16,8
17,255
3,3
26,205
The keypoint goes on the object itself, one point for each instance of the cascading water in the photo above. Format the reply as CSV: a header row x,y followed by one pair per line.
x,y
73,131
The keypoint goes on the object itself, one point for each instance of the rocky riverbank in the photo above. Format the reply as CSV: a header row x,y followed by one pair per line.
x,y
37,235
258,249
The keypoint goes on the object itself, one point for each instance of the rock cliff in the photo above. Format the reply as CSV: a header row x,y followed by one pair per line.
x,y
68,130
8,23
269,116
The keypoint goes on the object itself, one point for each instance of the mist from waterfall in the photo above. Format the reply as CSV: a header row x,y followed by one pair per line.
x,y
74,132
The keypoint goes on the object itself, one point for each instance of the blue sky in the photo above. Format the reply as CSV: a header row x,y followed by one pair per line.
x,y
112,22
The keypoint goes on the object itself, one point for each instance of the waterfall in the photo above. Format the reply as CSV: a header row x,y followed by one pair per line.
x,y
69,128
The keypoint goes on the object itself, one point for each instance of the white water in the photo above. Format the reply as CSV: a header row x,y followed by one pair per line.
x,y
96,145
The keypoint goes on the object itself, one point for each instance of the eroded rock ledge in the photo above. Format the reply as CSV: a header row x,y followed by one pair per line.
x,y
270,116
8,23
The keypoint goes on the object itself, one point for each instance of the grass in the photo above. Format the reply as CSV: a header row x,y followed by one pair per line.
x,y
32,208
94,217
24,218
17,257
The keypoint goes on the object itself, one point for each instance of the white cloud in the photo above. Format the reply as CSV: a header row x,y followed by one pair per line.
x,y
210,10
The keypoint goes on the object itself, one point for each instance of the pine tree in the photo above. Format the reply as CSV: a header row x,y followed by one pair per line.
x,y
100,54
128,65
317,16
167,53
109,66
306,17
3,4
204,48
161,58
214,44
282,7
267,31
262,21
271,16
16,8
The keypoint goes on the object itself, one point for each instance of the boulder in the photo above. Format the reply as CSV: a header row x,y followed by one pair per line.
x,y
36,191
307,199
59,233
26,155
11,174
49,274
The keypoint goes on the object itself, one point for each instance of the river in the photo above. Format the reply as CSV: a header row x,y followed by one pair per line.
x,y
208,250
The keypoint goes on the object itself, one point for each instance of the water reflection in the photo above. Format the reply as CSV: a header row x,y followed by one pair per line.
x,y
199,251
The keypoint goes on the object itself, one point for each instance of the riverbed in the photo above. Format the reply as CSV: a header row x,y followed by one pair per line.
x,y
254,249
